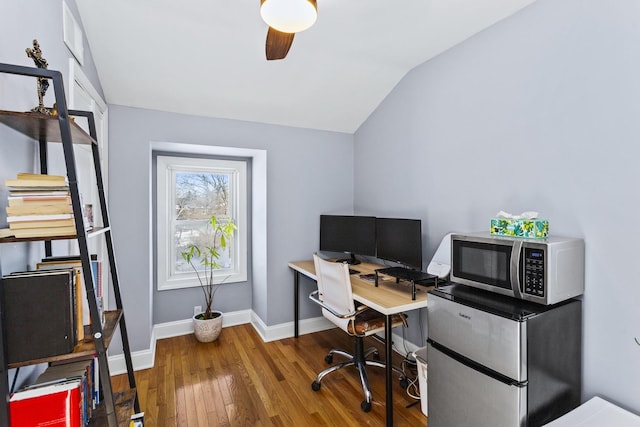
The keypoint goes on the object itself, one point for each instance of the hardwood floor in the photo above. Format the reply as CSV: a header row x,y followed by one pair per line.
x,y
241,381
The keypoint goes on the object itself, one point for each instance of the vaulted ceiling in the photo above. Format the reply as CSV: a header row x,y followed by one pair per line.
x,y
207,57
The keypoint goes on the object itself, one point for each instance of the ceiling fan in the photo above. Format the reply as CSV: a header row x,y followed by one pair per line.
x,y
285,18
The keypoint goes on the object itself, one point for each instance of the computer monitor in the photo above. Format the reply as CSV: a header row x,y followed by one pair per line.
x,y
400,240
349,234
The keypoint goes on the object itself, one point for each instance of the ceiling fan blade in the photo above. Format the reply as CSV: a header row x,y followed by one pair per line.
x,y
278,44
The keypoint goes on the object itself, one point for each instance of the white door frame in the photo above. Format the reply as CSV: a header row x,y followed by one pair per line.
x,y
78,81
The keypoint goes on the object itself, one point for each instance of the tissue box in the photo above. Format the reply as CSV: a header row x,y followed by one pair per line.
x,y
530,228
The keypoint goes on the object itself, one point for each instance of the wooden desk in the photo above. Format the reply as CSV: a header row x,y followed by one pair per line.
x,y
388,298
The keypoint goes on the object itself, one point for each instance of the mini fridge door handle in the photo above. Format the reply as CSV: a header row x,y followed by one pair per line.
x,y
478,367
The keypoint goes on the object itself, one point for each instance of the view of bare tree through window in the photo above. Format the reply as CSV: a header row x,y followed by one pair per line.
x,y
198,196
189,192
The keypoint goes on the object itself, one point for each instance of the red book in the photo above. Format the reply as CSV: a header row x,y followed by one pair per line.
x,y
53,405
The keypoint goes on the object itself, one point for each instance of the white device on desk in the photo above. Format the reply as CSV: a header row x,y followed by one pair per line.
x,y
440,264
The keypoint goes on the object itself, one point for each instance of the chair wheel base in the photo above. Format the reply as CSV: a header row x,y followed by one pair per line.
x,y
365,406
315,386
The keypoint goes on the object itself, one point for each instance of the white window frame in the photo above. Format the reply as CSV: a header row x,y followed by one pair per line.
x,y
166,167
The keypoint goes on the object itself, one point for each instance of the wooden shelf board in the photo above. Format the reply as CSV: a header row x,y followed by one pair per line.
x,y
42,128
86,347
95,231
123,402
36,239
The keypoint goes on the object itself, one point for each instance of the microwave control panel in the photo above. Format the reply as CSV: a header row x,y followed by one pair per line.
x,y
534,272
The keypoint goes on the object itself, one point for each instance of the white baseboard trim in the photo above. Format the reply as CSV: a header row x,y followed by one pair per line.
x,y
286,330
144,359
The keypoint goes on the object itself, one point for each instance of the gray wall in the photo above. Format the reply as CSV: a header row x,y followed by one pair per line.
x,y
308,172
20,23
539,112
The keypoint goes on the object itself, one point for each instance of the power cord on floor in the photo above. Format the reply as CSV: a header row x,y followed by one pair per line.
x,y
410,371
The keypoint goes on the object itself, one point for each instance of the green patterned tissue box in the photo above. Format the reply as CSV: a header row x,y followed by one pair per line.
x,y
530,228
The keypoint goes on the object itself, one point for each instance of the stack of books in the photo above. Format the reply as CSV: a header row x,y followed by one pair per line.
x,y
63,395
83,316
39,206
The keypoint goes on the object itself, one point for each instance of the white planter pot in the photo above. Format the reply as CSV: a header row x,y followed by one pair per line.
x,y
208,330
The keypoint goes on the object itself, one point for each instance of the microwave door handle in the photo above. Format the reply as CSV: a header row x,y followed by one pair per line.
x,y
514,268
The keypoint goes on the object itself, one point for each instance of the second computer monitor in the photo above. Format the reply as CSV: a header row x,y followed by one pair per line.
x,y
400,240
354,235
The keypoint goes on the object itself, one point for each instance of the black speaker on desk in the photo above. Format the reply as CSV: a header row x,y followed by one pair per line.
x,y
38,314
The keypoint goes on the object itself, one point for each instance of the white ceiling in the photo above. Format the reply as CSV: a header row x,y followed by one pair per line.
x,y
206,57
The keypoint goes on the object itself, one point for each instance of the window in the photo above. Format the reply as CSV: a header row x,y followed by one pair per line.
x,y
189,192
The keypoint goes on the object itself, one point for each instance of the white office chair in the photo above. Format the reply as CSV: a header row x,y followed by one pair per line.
x,y
335,296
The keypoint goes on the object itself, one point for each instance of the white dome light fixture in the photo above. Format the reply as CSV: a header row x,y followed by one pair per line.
x,y
289,16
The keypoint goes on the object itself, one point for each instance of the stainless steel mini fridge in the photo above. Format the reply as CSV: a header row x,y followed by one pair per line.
x,y
495,361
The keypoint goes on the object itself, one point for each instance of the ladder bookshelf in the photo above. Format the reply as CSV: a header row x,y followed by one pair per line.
x,y
115,408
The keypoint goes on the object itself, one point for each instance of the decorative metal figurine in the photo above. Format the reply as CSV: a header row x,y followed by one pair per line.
x,y
43,83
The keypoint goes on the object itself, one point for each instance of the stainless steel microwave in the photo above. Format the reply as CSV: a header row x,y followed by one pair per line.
x,y
544,271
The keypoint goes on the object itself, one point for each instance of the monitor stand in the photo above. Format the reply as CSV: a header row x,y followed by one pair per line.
x,y
351,261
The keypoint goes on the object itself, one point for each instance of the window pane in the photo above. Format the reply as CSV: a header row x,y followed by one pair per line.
x,y
189,192
200,195
197,233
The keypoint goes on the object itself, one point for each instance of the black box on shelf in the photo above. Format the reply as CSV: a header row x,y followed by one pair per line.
x,y
39,314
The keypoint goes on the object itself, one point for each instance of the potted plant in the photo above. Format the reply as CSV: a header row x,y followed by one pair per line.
x,y
207,325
